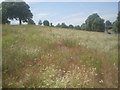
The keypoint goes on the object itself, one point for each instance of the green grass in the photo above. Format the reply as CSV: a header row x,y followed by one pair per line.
x,y
47,57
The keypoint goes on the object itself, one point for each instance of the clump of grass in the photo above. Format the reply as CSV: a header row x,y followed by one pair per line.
x,y
69,43
52,77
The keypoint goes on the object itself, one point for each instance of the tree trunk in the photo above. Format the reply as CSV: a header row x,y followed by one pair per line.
x,y
20,21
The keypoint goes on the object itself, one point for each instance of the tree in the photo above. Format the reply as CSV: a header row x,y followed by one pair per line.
x,y
16,10
77,27
116,24
0,13
118,19
90,20
4,7
98,25
108,25
63,25
51,24
46,23
95,23
30,21
83,26
58,25
115,28
40,22
71,26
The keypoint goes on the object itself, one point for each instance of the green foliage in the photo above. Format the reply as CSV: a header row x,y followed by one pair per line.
x,y
108,25
95,23
16,10
71,26
115,26
83,26
51,25
58,25
30,21
46,23
0,13
90,20
98,25
63,25
77,27
40,22
118,18
4,10
69,43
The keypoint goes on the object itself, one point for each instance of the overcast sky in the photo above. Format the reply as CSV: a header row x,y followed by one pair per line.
x,y
71,12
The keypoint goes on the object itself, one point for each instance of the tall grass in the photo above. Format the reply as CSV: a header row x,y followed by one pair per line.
x,y
46,57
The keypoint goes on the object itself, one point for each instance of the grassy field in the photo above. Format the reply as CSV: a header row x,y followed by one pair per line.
x,y
47,57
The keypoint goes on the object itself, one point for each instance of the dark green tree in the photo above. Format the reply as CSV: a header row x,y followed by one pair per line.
x,y
4,11
40,22
16,10
90,21
95,23
98,25
115,26
46,23
83,26
58,25
77,27
51,25
0,13
63,25
108,25
30,21
71,26
118,19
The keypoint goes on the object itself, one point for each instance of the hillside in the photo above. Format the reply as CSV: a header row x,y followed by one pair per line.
x,y
37,56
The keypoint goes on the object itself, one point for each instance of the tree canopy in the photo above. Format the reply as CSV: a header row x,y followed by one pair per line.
x,y
58,25
46,23
118,19
30,21
71,26
108,25
95,23
83,26
90,21
115,26
16,10
40,22
98,25
63,25
77,27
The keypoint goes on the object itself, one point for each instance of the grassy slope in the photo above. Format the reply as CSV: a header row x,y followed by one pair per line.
x,y
35,56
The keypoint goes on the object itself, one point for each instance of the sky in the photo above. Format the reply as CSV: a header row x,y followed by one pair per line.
x,y
74,13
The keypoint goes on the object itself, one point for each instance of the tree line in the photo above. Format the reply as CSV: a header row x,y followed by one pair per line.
x,y
21,12
93,23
